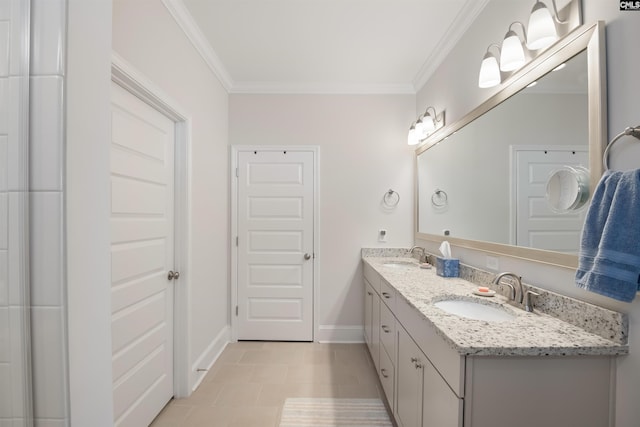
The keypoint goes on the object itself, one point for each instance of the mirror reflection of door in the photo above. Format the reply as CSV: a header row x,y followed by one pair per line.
x,y
534,223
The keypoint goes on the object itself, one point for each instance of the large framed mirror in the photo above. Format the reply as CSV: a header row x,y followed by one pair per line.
x,y
482,181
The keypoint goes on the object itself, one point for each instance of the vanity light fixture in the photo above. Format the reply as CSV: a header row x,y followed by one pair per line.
x,y
542,31
512,52
489,69
426,124
412,138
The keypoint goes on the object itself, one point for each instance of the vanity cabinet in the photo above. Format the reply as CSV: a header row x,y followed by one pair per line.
x,y
423,396
428,383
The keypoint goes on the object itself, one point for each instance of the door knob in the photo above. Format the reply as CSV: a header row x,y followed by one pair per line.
x,y
307,257
173,275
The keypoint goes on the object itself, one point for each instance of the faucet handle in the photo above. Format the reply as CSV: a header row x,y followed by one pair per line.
x,y
528,306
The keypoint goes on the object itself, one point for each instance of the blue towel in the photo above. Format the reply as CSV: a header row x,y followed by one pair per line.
x,y
609,261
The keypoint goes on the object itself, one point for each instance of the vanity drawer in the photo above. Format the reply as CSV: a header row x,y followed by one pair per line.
x,y
388,331
388,294
386,372
372,277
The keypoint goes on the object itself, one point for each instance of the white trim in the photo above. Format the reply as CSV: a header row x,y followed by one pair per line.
x,y
235,150
125,75
467,15
185,21
340,334
208,357
321,89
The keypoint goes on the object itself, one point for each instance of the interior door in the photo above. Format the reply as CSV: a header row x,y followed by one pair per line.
x,y
536,225
275,245
142,253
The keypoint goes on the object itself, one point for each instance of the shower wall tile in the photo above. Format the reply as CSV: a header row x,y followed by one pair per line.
x,y
5,38
15,127
4,274
48,361
5,337
46,248
19,16
15,272
4,228
3,163
46,135
48,22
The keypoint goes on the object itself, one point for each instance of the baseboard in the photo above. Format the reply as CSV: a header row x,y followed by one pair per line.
x,y
340,334
206,360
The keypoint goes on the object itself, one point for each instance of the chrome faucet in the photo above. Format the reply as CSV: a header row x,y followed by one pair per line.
x,y
516,294
423,257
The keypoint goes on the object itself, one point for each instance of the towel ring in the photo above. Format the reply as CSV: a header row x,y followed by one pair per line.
x,y
391,198
439,198
632,131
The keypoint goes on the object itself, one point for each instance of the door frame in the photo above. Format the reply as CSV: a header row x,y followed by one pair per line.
x,y
125,75
233,249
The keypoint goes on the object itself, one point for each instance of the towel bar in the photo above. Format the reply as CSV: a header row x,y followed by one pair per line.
x,y
632,131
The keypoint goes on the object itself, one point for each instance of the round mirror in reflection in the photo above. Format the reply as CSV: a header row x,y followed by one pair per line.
x,y
568,189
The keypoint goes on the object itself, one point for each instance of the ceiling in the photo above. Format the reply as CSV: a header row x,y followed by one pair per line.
x,y
324,46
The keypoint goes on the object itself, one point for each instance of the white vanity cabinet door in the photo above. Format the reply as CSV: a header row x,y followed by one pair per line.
x,y
440,406
409,381
372,322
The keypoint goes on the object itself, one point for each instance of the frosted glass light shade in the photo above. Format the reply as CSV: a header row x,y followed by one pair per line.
x,y
541,31
489,71
512,52
412,138
424,126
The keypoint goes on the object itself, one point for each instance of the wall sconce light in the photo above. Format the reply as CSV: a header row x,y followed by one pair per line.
x,y
489,70
412,138
426,124
512,52
542,31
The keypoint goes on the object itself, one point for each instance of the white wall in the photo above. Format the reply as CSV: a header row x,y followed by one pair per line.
x,y
145,35
363,153
454,87
88,131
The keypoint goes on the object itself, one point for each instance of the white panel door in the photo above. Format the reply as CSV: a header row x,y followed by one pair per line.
x,y
142,177
275,245
537,226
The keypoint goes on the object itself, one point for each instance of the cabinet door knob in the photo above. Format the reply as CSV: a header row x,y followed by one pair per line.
x,y
307,257
386,295
369,293
173,275
414,360
384,373
385,328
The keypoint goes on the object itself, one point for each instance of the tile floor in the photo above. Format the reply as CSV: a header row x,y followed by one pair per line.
x,y
249,382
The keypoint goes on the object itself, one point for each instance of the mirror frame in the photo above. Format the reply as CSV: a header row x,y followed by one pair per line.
x,y
589,37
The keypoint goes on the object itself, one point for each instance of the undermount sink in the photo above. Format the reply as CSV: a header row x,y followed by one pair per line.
x,y
398,264
475,310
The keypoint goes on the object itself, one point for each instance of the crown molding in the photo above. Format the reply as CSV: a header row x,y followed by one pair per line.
x,y
185,21
456,30
271,88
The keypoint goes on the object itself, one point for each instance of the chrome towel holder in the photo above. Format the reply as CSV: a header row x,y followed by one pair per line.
x,y
391,198
631,131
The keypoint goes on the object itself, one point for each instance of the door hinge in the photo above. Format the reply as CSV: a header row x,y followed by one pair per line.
x,y
237,173
237,240
236,310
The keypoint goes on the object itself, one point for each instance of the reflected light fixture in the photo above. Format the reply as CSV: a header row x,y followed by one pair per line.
x,y
489,70
412,138
426,124
512,52
541,31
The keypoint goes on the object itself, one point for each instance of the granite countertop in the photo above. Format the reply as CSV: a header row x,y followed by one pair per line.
x,y
528,334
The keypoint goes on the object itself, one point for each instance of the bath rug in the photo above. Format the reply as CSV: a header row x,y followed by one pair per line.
x,y
323,412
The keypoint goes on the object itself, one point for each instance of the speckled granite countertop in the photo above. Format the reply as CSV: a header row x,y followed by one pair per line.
x,y
528,334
